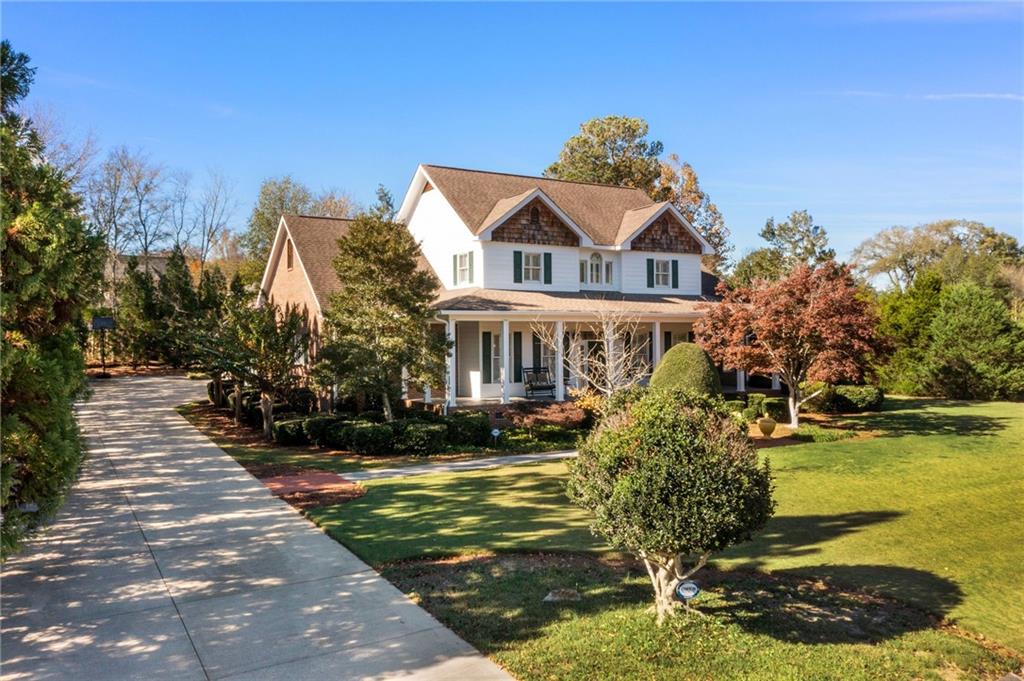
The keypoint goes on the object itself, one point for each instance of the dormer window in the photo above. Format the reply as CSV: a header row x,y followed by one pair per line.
x,y
535,216
289,255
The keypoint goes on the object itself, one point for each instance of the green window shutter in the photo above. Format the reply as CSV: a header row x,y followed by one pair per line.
x,y
650,272
455,269
485,356
471,267
547,268
536,351
517,267
675,274
517,356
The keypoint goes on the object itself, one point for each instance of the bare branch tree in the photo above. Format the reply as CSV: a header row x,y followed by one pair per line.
x,y
108,203
68,150
333,203
212,213
608,353
180,214
149,206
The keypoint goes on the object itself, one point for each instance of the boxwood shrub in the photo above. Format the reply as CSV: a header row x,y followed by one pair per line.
x,y
315,427
419,437
735,406
845,399
468,428
290,431
687,366
755,401
371,438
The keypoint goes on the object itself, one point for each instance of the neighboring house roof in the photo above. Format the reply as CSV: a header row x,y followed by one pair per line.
x,y
500,300
478,197
315,240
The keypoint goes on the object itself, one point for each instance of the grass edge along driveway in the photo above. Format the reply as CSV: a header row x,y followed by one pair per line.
x,y
924,513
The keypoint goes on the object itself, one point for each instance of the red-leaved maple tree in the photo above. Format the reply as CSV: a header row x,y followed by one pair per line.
x,y
813,325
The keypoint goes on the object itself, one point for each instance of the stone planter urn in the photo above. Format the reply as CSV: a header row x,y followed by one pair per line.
x,y
766,425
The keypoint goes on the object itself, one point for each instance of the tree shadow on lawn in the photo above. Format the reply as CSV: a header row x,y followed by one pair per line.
x,y
497,600
924,417
802,535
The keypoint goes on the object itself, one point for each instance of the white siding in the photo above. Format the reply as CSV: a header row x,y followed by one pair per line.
x,y
634,279
497,270
442,234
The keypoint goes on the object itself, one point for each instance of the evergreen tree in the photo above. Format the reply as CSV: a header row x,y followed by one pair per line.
x,y
798,240
52,265
976,351
379,322
137,315
177,312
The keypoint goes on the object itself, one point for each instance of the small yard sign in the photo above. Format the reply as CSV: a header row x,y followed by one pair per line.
x,y
686,591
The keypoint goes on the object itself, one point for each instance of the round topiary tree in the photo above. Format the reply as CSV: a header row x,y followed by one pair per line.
x,y
672,478
687,366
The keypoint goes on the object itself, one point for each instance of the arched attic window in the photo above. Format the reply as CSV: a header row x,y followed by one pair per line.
x,y
595,268
535,216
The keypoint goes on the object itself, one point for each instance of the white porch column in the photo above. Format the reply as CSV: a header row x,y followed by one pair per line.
x,y
506,370
741,381
428,398
776,382
405,383
559,360
452,377
656,339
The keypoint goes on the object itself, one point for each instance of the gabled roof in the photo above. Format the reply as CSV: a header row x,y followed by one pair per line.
x,y
315,240
597,209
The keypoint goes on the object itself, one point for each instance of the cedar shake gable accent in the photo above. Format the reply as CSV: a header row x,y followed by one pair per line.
x,y
475,195
548,229
666,235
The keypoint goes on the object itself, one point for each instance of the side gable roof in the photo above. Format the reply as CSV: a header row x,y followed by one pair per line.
x,y
315,240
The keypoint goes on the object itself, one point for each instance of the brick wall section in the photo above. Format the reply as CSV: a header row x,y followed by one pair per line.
x,y
289,287
548,230
666,235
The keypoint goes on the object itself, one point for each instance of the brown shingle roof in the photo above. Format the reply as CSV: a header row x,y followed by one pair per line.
x,y
499,300
597,209
316,244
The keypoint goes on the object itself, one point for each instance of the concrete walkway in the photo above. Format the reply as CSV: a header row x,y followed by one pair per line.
x,y
456,466
169,561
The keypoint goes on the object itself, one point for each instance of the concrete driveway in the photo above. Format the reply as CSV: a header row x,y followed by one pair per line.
x,y
170,561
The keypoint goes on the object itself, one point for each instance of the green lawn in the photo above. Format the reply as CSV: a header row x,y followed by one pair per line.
x,y
927,513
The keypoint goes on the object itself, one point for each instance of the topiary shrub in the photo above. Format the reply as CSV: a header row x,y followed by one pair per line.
x,y
672,475
686,366
419,437
858,398
371,438
290,431
777,409
468,428
750,414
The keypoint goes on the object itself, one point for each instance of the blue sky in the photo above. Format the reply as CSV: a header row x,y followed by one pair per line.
x,y
865,114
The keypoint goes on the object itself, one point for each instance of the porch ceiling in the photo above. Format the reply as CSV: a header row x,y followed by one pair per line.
x,y
563,304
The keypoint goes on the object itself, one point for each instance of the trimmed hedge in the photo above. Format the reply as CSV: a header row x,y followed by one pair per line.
x,y
469,428
419,437
846,399
735,406
688,367
290,431
371,438
755,401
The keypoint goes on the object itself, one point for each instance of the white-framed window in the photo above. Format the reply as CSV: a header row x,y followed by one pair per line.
x,y
462,269
583,271
531,266
609,270
662,273
495,358
596,263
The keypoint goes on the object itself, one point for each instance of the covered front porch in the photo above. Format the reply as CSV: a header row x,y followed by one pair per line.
x,y
498,358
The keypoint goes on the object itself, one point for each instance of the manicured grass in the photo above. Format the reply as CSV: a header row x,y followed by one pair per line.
x,y
752,627
246,446
928,512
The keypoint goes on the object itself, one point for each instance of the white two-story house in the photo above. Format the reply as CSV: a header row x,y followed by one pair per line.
x,y
512,252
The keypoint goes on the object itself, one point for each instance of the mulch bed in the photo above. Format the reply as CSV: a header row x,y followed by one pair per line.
x,y
309,500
